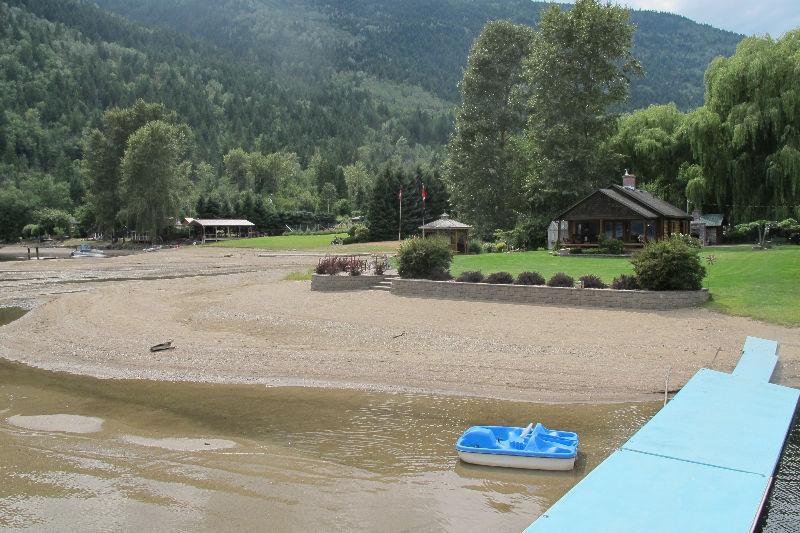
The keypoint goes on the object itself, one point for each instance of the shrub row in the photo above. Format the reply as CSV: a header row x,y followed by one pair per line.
x,y
560,279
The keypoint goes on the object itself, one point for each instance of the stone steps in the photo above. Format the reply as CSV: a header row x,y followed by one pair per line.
x,y
385,285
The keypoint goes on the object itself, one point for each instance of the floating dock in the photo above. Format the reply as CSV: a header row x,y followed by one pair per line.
x,y
703,463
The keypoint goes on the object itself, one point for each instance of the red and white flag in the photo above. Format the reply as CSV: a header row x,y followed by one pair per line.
x,y
424,193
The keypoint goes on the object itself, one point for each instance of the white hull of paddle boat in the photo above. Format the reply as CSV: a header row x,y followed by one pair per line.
x,y
517,461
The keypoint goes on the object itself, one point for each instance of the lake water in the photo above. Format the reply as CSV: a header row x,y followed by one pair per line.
x,y
79,453
281,459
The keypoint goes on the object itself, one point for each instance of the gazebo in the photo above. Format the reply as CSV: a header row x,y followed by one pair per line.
x,y
453,230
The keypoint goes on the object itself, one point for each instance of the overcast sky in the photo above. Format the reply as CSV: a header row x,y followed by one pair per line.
x,y
742,16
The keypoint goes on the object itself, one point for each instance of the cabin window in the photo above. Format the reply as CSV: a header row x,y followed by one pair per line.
x,y
637,229
651,231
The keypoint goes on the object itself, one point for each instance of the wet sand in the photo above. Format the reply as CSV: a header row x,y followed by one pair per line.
x,y
234,320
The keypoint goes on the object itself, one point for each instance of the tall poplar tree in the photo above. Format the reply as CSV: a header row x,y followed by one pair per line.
x,y
483,168
105,148
578,72
153,178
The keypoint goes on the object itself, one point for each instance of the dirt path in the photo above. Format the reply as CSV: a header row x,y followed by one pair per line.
x,y
233,320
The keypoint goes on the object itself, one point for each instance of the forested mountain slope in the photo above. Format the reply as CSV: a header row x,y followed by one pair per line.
x,y
418,42
62,63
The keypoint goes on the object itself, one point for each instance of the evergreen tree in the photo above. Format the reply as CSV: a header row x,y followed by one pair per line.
x,y
383,210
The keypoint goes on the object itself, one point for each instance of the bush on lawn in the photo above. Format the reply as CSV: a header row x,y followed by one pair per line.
x,y
475,247
530,278
489,247
418,258
626,283
500,278
669,265
560,279
470,277
610,246
592,282
357,233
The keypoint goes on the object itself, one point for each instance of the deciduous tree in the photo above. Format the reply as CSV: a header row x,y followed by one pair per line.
x,y
152,181
578,72
482,167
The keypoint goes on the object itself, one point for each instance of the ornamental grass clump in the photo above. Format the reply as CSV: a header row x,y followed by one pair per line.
x,y
470,277
560,279
419,258
529,278
625,282
669,265
499,278
592,282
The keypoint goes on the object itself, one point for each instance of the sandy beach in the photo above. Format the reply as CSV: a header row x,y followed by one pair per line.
x,y
234,319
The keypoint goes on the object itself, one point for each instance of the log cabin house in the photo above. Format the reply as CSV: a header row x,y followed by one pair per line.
x,y
622,212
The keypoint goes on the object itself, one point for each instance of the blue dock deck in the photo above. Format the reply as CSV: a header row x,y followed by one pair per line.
x,y
703,463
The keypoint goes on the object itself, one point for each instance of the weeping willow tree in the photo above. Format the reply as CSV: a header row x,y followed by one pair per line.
x,y
655,146
747,137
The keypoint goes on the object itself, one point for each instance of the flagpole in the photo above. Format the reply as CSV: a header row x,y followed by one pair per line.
x,y
424,195
400,221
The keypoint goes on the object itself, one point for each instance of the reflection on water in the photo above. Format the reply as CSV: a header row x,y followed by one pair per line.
x,y
303,458
10,314
782,510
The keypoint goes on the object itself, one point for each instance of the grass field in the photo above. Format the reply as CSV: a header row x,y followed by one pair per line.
x,y
310,243
761,284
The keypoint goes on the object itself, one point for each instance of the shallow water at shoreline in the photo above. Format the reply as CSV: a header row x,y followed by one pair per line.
x,y
301,458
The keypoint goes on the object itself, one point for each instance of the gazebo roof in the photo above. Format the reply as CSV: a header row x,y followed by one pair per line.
x,y
445,223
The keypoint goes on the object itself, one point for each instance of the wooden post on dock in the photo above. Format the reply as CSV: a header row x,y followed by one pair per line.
x,y
37,253
29,253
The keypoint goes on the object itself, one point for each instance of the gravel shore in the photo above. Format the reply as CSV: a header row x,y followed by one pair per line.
x,y
234,320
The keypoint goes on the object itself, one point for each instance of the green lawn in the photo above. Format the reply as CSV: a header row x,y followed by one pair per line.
x,y
761,284
307,243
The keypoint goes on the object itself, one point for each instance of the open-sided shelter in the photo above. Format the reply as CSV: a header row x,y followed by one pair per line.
x,y
221,229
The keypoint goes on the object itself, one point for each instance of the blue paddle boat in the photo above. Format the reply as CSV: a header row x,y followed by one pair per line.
x,y
534,447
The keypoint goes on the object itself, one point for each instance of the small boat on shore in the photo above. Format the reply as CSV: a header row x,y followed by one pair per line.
x,y
84,250
534,447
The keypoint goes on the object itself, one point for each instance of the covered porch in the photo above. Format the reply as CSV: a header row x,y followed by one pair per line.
x,y
586,233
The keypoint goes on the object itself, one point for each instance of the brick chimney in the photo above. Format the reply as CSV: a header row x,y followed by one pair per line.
x,y
628,180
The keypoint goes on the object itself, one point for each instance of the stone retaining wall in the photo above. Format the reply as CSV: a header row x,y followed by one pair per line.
x,y
542,295
322,282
